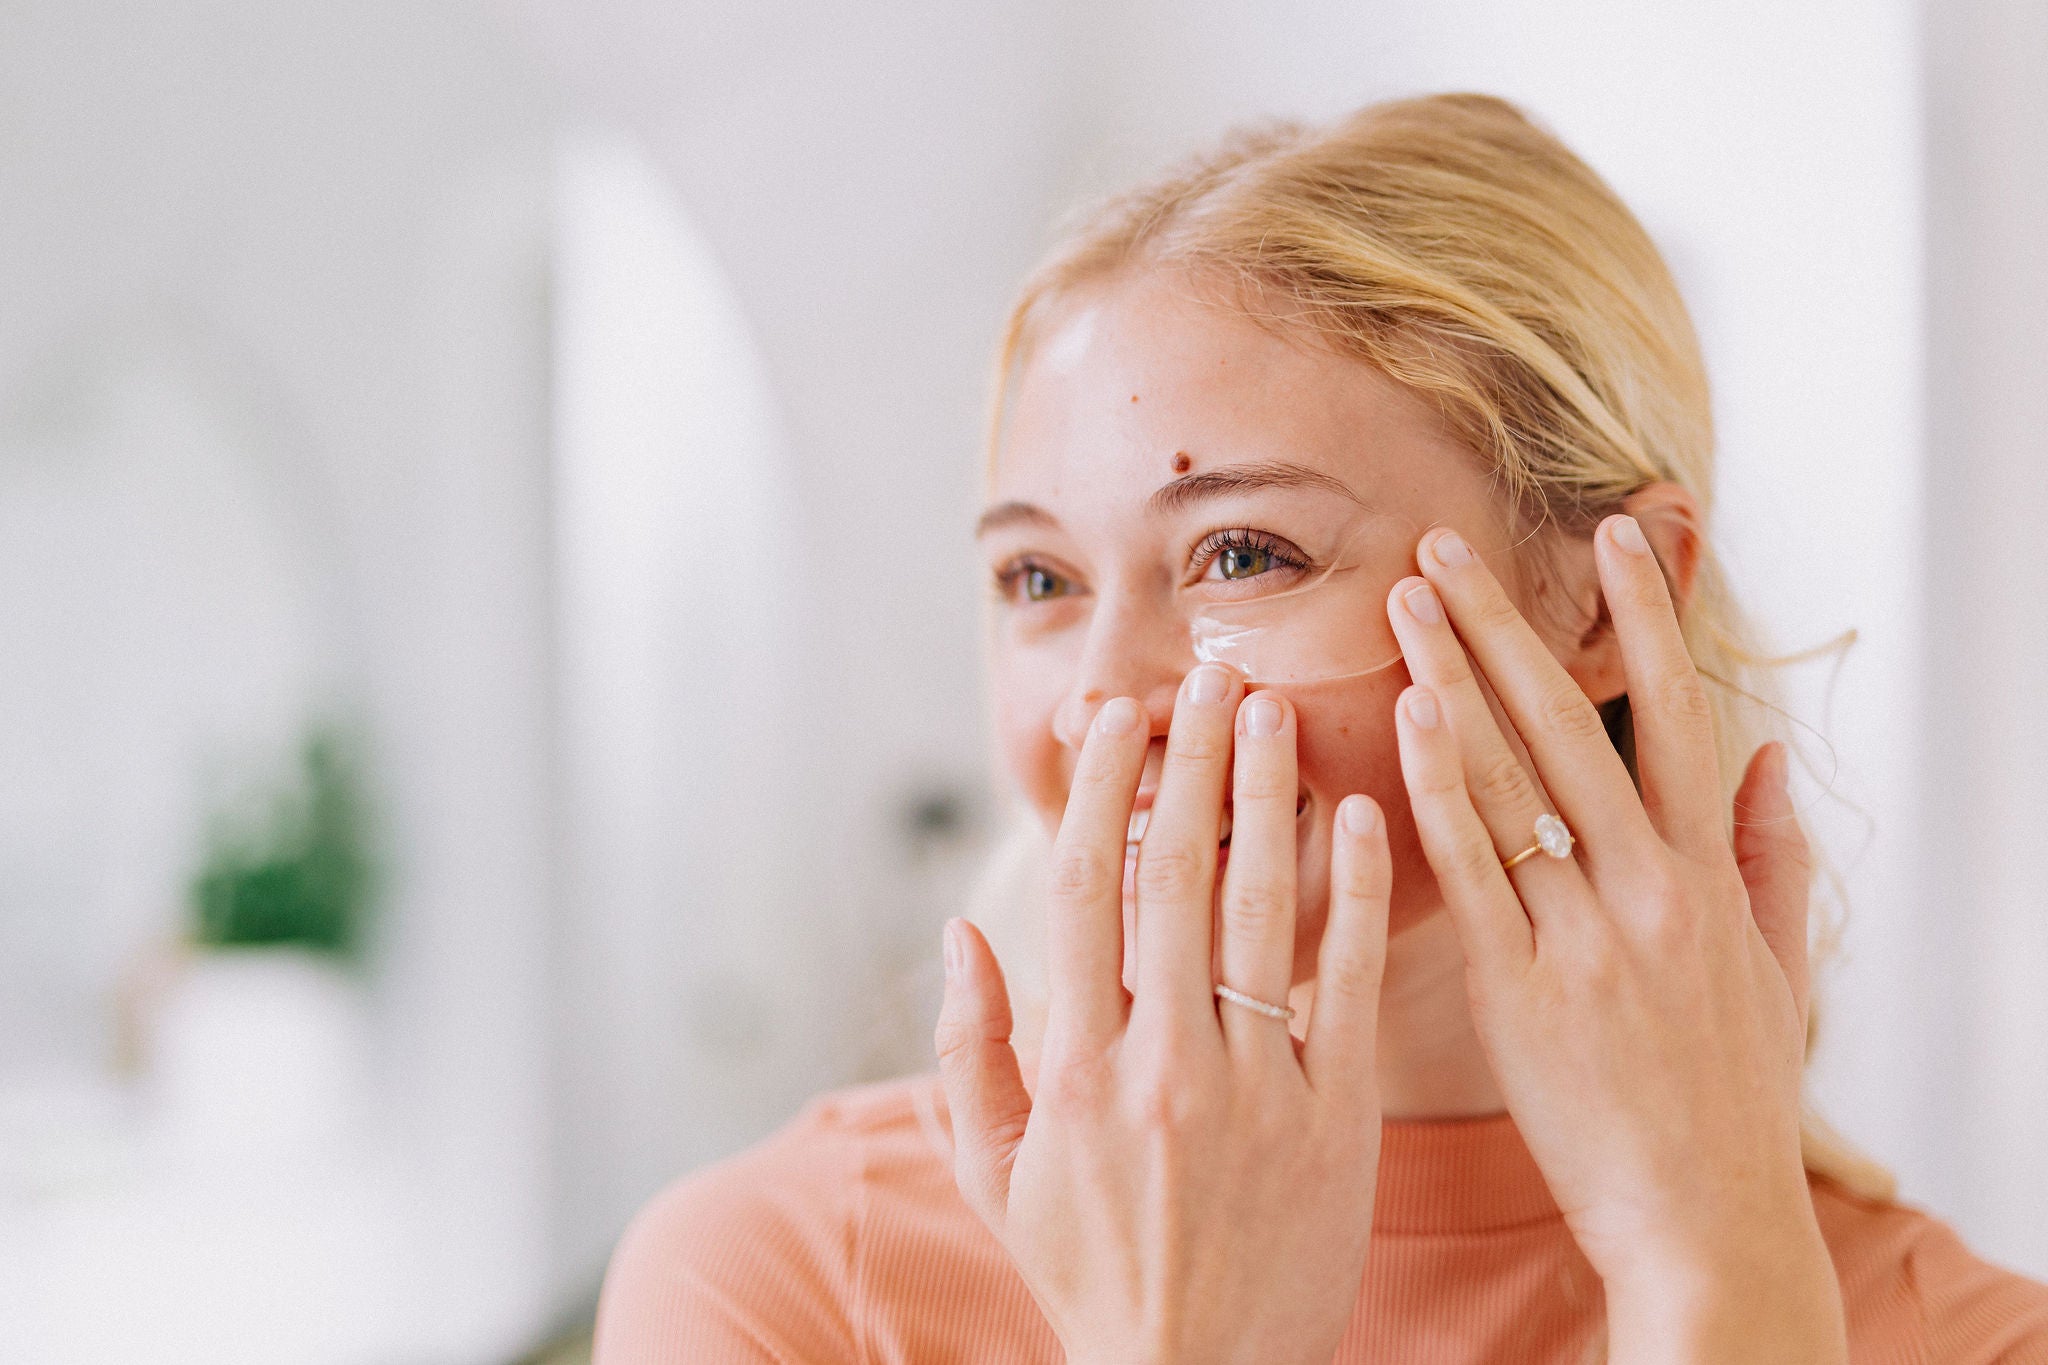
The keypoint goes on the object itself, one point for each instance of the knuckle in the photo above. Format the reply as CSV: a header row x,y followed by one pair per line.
x,y
1443,782
1677,931
1684,697
1664,890
1169,1104
1599,958
1494,610
955,1040
1366,879
1670,910
1198,744
1167,871
1082,873
1504,781
1077,1085
1602,970
1348,983
1097,777
1566,712
1256,909
1258,782
1473,862
1005,1131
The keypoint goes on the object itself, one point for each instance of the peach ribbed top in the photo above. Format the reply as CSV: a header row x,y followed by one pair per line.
x,y
841,1238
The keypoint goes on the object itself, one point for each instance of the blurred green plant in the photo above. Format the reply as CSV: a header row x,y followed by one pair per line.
x,y
305,880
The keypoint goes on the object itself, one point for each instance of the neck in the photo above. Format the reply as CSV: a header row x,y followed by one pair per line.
x,y
1430,1060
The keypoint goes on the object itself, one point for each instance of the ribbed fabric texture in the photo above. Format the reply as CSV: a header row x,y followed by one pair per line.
x,y
842,1238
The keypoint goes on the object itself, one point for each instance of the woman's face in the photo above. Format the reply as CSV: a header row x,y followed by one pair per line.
x,y
1164,454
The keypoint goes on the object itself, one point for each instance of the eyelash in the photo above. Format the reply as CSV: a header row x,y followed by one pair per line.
x,y
1246,538
1204,554
1012,573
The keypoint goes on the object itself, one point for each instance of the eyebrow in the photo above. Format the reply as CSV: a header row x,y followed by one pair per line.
x,y
1245,478
1185,492
1013,514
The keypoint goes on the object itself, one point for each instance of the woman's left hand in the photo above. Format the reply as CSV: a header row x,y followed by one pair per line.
x,y
1643,1003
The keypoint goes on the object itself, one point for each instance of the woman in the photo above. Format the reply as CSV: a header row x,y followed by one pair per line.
x,y
1427,965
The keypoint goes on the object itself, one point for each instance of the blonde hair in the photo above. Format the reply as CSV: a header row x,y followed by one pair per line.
x,y
1468,254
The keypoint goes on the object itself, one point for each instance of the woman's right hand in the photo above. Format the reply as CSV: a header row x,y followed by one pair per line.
x,y
1186,1183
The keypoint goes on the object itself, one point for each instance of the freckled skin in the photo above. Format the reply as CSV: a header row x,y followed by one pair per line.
x,y
1221,390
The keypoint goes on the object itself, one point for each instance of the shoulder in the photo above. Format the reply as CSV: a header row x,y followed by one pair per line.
x,y
1907,1278
768,1254
803,1179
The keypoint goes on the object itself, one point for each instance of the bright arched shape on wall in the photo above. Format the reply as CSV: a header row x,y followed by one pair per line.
x,y
676,544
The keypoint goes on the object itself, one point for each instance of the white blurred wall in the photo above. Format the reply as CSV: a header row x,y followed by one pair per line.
x,y
1979,958
326,232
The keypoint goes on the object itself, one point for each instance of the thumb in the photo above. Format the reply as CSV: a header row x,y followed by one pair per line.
x,y
984,1088
1776,864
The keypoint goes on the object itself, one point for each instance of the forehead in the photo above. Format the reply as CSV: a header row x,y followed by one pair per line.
x,y
1127,375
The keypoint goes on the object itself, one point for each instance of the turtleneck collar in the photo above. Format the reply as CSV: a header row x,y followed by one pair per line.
x,y
1438,1177
1446,1176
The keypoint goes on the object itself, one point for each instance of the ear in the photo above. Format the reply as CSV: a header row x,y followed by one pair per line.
x,y
1670,518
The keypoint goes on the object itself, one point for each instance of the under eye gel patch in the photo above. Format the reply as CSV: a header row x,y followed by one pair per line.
x,y
1330,627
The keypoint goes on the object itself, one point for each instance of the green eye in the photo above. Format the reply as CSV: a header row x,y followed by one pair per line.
x,y
1041,586
1244,562
1021,580
1243,553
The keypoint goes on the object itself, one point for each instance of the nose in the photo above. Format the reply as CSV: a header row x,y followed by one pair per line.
x,y
1130,652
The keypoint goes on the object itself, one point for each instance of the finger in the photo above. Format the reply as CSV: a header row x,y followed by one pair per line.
x,y
984,1087
1343,1028
1575,760
1496,933
1084,967
1498,774
1673,718
1777,866
1176,875
1256,954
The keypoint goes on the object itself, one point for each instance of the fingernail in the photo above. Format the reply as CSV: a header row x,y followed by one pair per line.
x,y
1422,707
1118,716
1359,815
1208,684
951,938
1262,717
1627,534
1451,550
1423,606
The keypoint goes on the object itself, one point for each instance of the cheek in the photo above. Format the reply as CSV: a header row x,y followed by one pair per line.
x,y
1348,745
1347,742
1036,761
